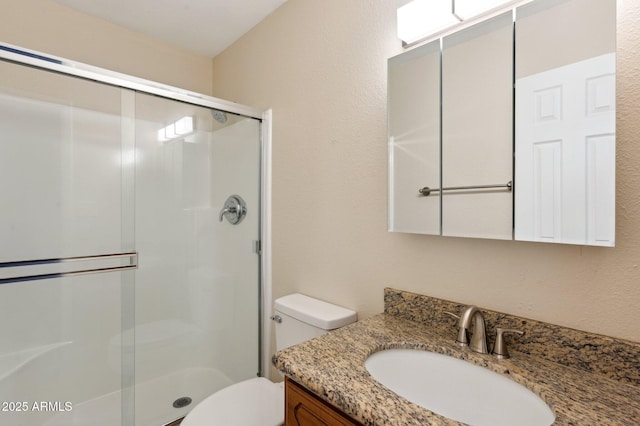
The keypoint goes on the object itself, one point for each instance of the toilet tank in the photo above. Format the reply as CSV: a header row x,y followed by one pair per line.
x,y
299,318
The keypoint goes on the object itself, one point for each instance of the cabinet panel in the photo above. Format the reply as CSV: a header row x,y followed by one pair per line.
x,y
565,122
306,409
477,130
414,140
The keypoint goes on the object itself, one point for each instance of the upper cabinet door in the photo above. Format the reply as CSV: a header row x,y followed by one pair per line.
x,y
565,122
414,139
477,131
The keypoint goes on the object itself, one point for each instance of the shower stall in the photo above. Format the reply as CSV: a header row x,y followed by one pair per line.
x,y
130,245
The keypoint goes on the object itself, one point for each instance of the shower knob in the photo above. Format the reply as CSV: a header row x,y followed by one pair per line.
x,y
234,209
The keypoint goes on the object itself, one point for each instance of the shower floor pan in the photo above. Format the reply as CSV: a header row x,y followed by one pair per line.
x,y
154,400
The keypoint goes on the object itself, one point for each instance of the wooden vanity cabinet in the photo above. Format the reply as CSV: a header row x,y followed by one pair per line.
x,y
302,408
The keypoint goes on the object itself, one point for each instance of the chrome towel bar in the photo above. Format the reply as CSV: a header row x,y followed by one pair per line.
x,y
426,191
133,264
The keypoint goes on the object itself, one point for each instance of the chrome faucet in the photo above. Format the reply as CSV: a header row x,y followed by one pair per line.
x,y
478,341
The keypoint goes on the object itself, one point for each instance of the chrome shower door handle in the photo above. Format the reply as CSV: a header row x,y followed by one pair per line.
x,y
234,209
224,211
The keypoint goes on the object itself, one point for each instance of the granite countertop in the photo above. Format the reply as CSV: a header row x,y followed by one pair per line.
x,y
332,367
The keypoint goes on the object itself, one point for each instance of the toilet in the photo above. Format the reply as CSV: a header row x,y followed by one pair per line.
x,y
260,402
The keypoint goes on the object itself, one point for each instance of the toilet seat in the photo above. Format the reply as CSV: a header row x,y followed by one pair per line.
x,y
253,402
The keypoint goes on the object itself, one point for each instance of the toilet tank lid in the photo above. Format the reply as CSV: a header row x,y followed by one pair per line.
x,y
317,313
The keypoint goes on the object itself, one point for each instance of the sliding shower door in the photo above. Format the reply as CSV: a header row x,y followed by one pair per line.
x,y
129,251
66,249
197,286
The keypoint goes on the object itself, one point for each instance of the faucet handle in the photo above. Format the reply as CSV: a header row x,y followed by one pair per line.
x,y
463,334
500,346
451,314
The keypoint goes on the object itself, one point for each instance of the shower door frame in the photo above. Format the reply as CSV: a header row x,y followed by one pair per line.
x,y
31,58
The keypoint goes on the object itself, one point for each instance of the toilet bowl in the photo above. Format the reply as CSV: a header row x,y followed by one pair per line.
x,y
253,402
260,402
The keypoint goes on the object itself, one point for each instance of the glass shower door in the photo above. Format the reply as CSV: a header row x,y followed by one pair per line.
x,y
66,251
197,286
129,268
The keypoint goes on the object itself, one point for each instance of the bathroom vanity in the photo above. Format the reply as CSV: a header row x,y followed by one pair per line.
x,y
303,408
586,379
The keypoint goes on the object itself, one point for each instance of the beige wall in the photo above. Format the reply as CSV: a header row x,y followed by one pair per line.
x,y
48,27
321,66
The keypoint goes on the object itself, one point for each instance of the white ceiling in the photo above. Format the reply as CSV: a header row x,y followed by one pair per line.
x,y
203,26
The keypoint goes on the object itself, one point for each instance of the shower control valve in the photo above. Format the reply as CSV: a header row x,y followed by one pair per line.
x,y
234,209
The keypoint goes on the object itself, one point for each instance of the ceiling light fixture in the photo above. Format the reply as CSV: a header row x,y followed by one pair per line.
x,y
465,9
420,19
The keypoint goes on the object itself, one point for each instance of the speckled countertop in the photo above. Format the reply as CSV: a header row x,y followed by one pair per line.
x,y
332,367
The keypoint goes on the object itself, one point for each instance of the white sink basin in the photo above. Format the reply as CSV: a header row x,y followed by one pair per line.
x,y
458,389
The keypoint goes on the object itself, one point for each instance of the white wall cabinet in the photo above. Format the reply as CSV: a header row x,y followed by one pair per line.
x,y
523,101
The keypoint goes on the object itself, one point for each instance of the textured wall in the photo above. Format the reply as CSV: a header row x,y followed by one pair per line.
x,y
48,27
321,66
